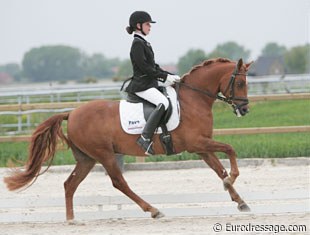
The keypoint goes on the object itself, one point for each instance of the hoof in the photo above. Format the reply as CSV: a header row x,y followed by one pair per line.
x,y
75,222
243,207
157,214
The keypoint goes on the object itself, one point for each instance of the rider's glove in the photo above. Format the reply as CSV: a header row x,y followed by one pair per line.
x,y
173,78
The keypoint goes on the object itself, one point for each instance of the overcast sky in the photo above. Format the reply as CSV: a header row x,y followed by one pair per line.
x,y
98,26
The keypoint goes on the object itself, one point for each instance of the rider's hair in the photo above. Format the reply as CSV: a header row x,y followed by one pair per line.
x,y
129,29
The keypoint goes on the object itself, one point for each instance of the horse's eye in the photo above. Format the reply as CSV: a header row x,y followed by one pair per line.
x,y
240,84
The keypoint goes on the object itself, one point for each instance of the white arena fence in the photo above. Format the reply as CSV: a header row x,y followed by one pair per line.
x,y
33,93
67,93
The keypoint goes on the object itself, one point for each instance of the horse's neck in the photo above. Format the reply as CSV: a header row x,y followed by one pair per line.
x,y
194,103
197,105
196,112
200,102
205,80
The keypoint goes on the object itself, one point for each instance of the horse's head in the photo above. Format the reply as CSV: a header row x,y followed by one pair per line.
x,y
234,87
209,79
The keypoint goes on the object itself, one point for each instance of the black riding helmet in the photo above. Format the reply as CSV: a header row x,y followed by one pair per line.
x,y
138,17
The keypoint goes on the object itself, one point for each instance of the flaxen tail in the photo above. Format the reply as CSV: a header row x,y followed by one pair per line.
x,y
42,148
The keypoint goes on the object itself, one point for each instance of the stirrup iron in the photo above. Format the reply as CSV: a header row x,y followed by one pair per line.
x,y
146,145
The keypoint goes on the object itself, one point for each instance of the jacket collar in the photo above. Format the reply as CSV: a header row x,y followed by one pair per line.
x,y
140,36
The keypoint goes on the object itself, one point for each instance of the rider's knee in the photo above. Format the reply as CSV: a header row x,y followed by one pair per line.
x,y
165,102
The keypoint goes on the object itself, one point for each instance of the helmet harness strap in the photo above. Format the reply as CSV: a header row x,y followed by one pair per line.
x,y
141,29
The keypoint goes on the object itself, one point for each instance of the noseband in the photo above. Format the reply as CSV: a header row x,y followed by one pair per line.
x,y
230,100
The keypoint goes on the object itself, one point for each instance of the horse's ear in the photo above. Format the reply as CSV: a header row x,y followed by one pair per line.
x,y
248,65
240,63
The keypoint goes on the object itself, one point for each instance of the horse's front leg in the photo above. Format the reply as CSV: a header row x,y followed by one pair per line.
x,y
215,164
210,145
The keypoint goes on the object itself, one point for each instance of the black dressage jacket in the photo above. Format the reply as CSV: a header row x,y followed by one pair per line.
x,y
146,73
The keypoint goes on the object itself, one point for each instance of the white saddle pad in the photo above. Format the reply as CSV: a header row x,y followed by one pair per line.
x,y
132,116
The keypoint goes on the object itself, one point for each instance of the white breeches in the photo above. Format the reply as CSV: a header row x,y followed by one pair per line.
x,y
154,96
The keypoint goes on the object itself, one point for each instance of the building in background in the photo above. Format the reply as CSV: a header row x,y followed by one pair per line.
x,y
268,65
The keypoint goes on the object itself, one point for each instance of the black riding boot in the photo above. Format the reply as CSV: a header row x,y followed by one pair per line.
x,y
145,140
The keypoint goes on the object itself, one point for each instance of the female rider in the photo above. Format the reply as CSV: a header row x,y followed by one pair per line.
x,y
146,75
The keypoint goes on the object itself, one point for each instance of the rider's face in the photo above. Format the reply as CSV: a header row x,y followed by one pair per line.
x,y
146,27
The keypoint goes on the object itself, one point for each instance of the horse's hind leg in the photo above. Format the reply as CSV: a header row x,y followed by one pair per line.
x,y
119,182
83,166
216,165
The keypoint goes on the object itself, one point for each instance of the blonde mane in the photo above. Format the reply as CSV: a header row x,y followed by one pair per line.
x,y
206,63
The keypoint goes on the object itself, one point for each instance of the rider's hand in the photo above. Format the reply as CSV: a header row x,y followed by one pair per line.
x,y
173,78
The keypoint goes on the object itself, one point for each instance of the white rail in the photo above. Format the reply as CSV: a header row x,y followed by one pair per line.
x,y
30,93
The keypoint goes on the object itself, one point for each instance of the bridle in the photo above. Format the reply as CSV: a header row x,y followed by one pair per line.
x,y
230,100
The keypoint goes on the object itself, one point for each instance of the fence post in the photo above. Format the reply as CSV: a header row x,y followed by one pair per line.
x,y
19,116
58,98
28,115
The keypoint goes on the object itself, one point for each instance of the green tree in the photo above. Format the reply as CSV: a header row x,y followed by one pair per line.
x,y
273,49
53,63
99,66
297,59
13,69
124,70
230,50
191,58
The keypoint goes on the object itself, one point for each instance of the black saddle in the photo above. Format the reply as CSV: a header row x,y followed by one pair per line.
x,y
149,107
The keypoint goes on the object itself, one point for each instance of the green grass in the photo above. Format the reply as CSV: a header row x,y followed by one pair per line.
x,y
269,145
265,114
18,152
262,114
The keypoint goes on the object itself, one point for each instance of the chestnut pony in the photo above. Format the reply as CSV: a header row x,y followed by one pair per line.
x,y
95,133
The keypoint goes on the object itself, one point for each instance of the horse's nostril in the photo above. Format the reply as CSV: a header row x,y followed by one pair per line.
x,y
244,110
